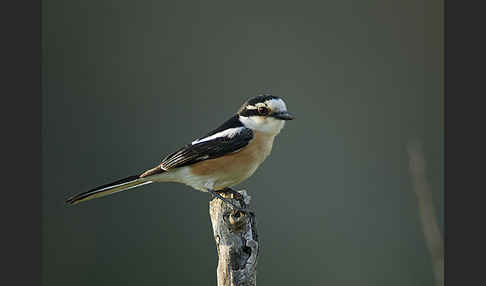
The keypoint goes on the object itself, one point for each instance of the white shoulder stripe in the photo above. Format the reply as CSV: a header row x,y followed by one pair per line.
x,y
230,133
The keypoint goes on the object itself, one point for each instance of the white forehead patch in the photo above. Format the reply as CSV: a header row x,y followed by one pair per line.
x,y
276,105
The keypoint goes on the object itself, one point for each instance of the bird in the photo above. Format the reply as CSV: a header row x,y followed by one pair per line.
x,y
217,161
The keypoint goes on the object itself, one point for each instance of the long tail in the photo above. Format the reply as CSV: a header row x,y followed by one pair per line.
x,y
108,189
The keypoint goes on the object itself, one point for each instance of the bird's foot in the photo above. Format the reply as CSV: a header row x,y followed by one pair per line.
x,y
235,193
229,190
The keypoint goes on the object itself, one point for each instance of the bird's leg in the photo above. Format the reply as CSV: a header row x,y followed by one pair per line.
x,y
227,201
231,191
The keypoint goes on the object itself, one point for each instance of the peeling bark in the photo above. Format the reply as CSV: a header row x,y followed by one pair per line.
x,y
236,241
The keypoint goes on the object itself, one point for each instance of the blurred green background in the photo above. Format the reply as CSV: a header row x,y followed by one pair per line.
x,y
126,82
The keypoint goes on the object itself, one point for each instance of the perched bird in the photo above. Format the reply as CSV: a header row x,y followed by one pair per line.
x,y
221,159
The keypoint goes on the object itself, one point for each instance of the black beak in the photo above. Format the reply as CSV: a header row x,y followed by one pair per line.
x,y
284,115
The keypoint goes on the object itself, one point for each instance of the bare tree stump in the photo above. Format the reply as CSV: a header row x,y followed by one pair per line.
x,y
236,240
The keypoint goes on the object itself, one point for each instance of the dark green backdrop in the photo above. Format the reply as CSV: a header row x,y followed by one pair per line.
x,y
126,82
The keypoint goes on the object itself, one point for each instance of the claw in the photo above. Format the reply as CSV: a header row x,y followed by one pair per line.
x,y
215,194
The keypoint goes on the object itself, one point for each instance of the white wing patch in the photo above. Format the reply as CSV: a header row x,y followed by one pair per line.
x,y
229,133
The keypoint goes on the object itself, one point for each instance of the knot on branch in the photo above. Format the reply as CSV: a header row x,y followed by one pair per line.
x,y
235,220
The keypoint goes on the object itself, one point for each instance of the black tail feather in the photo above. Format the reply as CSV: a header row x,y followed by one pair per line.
x,y
81,196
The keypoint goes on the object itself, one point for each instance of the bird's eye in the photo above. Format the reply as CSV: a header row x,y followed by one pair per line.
x,y
263,110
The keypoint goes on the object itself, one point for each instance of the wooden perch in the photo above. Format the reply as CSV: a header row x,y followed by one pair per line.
x,y
236,240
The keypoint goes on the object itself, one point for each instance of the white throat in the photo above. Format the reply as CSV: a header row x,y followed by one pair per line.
x,y
268,125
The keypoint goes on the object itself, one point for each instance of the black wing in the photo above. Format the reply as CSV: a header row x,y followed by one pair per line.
x,y
209,149
233,122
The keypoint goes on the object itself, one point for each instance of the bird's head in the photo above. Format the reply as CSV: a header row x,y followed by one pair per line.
x,y
264,113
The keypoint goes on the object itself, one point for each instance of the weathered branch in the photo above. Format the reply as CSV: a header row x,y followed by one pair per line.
x,y
433,237
236,241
